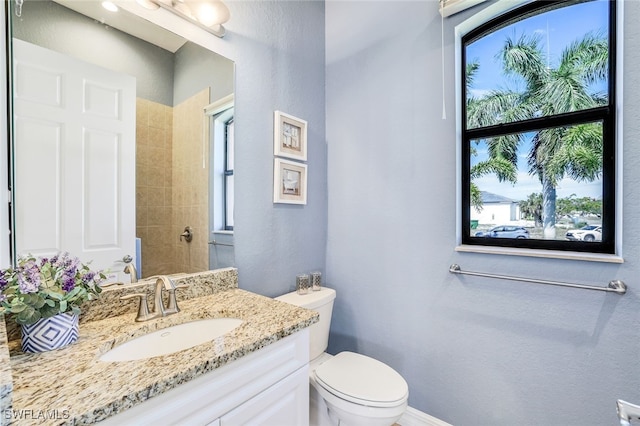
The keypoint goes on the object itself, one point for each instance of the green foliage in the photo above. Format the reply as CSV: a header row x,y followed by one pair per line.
x,y
501,167
583,206
42,288
476,197
532,208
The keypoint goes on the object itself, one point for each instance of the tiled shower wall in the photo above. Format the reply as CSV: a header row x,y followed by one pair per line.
x,y
190,191
154,141
172,175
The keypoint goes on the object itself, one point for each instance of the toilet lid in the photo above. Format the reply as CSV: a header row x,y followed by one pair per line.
x,y
362,380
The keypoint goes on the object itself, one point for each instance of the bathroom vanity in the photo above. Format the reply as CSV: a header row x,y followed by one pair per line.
x,y
269,386
256,372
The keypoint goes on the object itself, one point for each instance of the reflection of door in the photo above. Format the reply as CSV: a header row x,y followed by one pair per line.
x,y
74,157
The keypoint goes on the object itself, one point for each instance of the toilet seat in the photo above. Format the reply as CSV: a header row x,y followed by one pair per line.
x,y
362,380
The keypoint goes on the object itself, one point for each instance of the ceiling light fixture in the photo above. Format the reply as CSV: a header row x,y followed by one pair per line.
x,y
109,6
148,4
206,14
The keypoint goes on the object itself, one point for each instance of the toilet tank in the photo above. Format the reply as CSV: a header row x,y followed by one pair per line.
x,y
322,302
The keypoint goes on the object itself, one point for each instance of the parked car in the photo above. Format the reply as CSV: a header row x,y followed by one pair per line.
x,y
587,233
505,232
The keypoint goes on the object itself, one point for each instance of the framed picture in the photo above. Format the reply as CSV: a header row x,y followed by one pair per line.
x,y
289,182
290,136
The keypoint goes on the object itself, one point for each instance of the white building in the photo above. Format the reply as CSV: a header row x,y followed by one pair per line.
x,y
496,210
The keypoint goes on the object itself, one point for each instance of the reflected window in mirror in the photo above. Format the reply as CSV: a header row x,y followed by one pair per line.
x,y
221,148
228,175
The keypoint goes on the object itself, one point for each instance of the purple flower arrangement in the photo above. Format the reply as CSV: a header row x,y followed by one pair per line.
x,y
43,287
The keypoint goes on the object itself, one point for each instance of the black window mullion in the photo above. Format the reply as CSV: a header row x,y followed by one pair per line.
x,y
540,123
609,150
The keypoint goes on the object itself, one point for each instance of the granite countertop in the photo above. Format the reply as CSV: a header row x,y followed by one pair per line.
x,y
6,381
74,387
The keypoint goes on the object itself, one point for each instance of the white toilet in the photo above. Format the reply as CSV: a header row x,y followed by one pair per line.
x,y
347,389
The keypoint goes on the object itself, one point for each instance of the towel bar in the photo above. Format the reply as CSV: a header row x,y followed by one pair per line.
x,y
215,243
615,286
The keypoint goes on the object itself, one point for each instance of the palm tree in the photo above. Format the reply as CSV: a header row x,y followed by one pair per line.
x,y
532,208
574,151
504,166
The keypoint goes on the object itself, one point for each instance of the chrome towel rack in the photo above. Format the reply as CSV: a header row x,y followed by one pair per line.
x,y
215,243
615,286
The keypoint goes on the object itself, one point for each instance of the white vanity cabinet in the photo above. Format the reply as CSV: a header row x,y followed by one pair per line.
x,y
267,387
284,403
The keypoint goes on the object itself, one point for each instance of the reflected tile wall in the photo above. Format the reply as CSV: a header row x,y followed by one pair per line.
x,y
190,191
172,185
154,141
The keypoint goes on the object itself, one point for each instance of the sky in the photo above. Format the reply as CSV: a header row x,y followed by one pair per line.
x,y
557,30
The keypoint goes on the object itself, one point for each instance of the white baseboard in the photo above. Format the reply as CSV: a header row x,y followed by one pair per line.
x,y
413,417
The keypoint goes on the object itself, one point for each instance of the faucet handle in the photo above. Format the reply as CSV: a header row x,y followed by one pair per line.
x,y
143,307
172,307
187,234
166,282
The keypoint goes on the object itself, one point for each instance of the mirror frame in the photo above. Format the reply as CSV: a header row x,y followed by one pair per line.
x,y
7,247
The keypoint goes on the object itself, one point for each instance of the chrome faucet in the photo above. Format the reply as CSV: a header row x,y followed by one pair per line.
x,y
162,283
627,412
130,269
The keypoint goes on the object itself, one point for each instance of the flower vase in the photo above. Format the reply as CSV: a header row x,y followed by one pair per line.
x,y
50,333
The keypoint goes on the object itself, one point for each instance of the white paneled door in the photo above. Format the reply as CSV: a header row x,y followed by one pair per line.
x,y
74,158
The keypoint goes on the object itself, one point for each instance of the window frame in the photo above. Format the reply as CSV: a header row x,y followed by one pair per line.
x,y
228,197
218,115
487,21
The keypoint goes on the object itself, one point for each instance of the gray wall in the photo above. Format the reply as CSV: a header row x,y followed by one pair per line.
x,y
475,351
55,27
278,48
196,68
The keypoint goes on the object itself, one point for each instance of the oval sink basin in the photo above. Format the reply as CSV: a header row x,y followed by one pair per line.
x,y
171,339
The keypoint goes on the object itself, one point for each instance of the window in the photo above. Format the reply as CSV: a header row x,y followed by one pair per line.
x,y
228,175
539,128
221,179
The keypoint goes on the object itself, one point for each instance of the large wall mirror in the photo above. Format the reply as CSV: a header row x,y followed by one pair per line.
x,y
120,129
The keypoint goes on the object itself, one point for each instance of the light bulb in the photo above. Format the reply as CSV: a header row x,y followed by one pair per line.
x,y
211,13
109,6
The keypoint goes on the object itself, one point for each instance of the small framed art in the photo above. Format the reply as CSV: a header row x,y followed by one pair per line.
x,y
290,136
289,182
